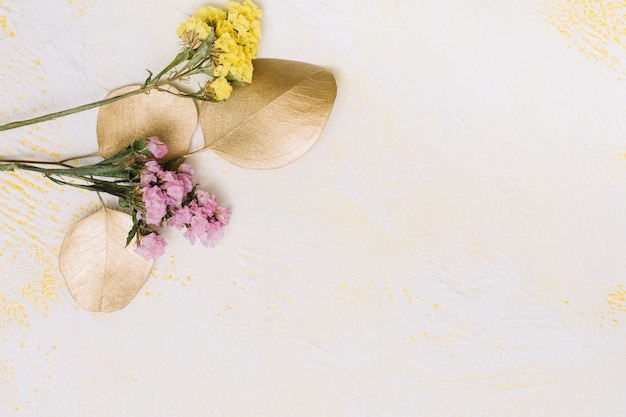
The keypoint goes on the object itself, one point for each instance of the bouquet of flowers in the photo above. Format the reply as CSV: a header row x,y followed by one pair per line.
x,y
285,110
157,194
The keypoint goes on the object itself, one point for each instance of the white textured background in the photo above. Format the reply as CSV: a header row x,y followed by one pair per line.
x,y
454,245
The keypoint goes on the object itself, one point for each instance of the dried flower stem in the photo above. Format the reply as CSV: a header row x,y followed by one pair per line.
x,y
151,84
24,161
73,110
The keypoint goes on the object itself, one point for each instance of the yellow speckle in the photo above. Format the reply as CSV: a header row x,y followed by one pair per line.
x,y
437,306
38,61
3,23
565,302
148,293
596,28
405,291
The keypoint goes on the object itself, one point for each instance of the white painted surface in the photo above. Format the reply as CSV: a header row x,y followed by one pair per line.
x,y
453,246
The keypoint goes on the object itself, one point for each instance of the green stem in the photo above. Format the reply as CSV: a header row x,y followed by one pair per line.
x,y
23,161
97,186
114,171
184,55
84,107
164,90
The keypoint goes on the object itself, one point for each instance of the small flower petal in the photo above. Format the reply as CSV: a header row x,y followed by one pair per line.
x,y
151,246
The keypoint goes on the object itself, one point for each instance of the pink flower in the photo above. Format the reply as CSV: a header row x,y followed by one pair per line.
x,y
150,173
167,200
186,169
156,204
151,246
175,192
214,233
223,215
147,178
187,176
180,218
206,204
154,167
209,232
156,147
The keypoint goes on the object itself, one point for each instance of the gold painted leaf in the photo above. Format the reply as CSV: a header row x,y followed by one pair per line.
x,y
274,120
171,118
100,272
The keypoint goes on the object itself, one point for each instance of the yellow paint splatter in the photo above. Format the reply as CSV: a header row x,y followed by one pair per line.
x,y
81,6
12,311
611,311
5,28
597,28
168,273
27,242
351,293
617,299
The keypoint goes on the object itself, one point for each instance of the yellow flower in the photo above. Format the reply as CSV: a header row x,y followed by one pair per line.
x,y
242,24
239,22
242,68
248,9
211,15
224,55
218,89
193,31
224,26
237,37
255,30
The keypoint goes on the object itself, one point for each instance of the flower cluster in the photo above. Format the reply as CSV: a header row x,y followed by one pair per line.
x,y
217,43
166,196
157,193
233,36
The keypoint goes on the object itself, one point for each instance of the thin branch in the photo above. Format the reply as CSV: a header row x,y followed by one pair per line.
x,y
73,110
23,161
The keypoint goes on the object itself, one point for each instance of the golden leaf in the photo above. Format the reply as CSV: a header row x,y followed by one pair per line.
x,y
274,120
171,118
100,272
